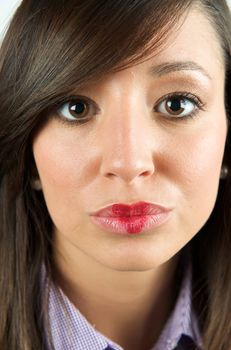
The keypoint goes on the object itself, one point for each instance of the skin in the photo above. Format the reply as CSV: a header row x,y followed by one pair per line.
x,y
124,285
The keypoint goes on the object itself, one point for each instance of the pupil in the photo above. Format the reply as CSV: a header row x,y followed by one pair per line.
x,y
79,107
175,105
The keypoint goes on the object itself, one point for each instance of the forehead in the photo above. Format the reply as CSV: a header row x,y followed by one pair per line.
x,y
194,40
192,46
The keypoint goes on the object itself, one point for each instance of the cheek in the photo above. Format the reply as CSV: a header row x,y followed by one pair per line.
x,y
204,159
63,169
62,157
197,171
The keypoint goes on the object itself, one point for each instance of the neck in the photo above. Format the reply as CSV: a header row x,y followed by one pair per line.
x,y
129,307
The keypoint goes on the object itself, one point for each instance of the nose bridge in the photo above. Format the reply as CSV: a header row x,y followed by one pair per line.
x,y
128,150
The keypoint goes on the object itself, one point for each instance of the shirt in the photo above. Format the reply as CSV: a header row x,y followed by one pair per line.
x,y
70,329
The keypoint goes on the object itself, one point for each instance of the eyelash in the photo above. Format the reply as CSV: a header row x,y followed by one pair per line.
x,y
199,105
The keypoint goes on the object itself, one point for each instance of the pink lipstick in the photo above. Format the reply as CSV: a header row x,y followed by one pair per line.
x,y
131,219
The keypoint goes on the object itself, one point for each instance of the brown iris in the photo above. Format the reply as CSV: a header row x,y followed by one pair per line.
x,y
173,106
78,109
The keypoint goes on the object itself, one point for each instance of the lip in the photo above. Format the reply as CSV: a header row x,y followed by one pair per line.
x,y
131,219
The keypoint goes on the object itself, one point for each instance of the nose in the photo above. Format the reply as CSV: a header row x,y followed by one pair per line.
x,y
128,147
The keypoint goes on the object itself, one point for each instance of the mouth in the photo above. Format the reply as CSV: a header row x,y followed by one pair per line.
x,y
131,219
129,210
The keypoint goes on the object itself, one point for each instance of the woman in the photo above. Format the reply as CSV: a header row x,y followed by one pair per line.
x,y
115,176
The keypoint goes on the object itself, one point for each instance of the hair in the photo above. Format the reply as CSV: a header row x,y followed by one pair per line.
x,y
50,49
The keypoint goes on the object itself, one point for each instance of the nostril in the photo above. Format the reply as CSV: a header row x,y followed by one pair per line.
x,y
146,173
110,175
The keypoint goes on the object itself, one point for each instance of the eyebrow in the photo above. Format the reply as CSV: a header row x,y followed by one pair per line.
x,y
175,66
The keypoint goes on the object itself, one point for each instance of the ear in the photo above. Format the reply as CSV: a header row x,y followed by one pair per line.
x,y
36,184
224,172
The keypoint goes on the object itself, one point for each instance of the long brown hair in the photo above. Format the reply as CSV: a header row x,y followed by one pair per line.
x,y
50,49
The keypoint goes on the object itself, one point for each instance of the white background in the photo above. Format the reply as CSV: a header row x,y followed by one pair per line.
x,y
7,8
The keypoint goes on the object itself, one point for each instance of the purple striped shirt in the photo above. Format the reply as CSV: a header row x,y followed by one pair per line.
x,y
70,330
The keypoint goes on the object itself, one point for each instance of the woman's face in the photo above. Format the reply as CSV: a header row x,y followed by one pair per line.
x,y
139,144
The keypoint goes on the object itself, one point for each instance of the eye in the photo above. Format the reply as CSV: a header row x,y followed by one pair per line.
x,y
179,105
77,110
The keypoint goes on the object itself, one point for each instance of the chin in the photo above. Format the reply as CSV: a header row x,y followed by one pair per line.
x,y
135,262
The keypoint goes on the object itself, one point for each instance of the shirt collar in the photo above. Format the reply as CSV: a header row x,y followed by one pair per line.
x,y
70,330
